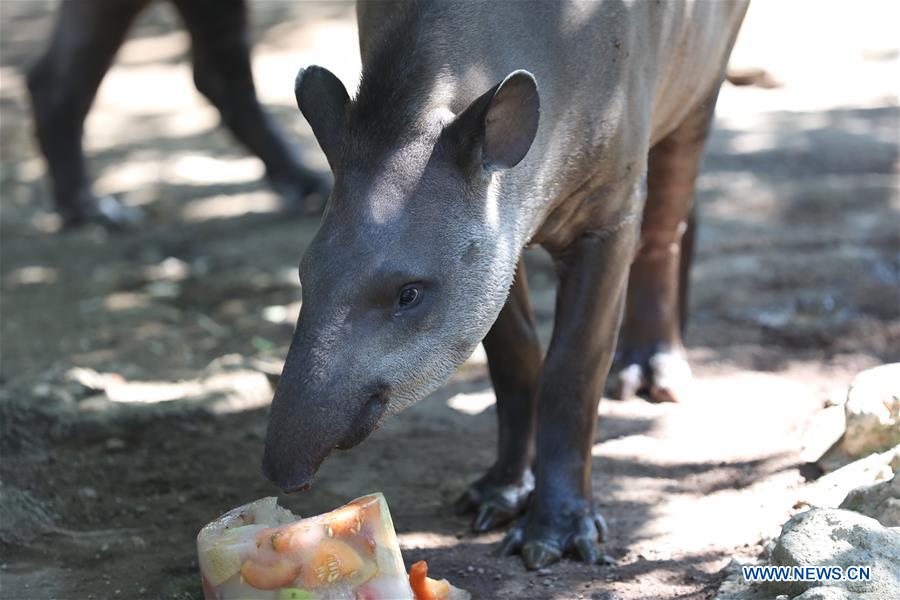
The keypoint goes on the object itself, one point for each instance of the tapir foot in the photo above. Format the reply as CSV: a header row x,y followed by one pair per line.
x,y
304,192
542,541
657,375
495,503
106,211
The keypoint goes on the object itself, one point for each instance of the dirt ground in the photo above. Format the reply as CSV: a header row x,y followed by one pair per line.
x,y
136,367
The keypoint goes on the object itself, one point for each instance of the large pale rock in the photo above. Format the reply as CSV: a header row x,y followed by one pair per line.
x,y
881,501
830,490
873,411
835,537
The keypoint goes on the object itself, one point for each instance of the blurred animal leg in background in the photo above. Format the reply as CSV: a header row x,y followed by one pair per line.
x,y
62,85
222,73
650,358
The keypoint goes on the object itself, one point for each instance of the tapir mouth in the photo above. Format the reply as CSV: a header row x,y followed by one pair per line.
x,y
366,420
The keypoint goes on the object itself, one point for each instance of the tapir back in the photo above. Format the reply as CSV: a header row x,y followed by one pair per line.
x,y
614,76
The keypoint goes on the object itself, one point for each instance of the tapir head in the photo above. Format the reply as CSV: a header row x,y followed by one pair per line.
x,y
411,265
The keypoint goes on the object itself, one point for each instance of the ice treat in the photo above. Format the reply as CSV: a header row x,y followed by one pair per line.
x,y
262,551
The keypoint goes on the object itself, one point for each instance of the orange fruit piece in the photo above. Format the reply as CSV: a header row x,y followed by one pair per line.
x,y
333,560
269,577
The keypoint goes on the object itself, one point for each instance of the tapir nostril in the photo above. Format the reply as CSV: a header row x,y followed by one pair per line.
x,y
380,395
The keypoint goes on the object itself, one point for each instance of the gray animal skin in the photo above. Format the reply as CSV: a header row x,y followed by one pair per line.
x,y
480,128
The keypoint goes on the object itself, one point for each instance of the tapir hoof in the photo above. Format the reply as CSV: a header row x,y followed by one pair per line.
x,y
493,503
658,377
541,544
107,212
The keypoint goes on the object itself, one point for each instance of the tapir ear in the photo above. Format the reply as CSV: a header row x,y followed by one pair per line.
x,y
501,124
323,99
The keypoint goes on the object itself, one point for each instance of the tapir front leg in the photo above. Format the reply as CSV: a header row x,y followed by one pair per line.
x,y
221,53
514,359
562,517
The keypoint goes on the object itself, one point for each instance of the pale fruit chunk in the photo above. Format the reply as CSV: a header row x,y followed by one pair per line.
x,y
220,563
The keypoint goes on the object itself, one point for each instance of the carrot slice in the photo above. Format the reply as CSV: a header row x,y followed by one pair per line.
x,y
424,587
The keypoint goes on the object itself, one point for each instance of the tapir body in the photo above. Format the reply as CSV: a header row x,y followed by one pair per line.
x,y
480,128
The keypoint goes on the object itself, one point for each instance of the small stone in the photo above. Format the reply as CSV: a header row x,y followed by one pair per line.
x,y
87,492
544,572
824,593
480,571
115,444
470,569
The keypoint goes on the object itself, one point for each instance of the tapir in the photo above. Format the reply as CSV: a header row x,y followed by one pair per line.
x,y
480,128
63,82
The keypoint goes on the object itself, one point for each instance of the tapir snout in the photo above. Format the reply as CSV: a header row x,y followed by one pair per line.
x,y
311,416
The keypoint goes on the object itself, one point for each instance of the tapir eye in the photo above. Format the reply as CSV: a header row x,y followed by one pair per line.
x,y
409,296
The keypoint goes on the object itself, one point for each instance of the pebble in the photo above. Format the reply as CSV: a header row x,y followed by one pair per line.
x,y
470,569
544,572
115,444
480,571
87,492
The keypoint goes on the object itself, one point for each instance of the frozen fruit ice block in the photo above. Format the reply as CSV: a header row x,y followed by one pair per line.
x,y
262,551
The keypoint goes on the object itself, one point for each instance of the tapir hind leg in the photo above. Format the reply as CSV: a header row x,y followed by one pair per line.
x,y
650,359
62,85
514,360
221,55
561,516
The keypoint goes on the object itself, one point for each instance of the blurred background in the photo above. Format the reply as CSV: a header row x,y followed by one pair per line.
x,y
136,367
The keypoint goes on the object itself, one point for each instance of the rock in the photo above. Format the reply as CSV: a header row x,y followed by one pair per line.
x,y
88,492
871,418
873,411
881,501
834,537
830,490
824,593
733,586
